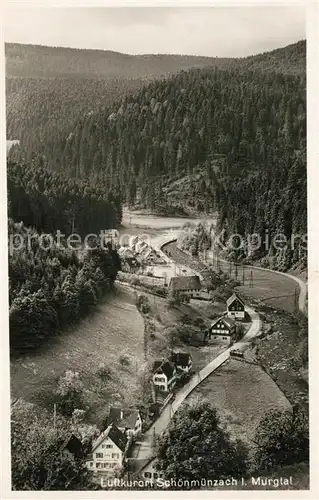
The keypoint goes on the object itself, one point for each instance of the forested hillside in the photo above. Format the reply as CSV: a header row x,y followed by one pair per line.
x,y
229,138
51,285
48,201
45,62
48,89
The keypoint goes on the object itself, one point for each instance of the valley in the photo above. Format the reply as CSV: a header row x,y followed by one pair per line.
x,y
154,343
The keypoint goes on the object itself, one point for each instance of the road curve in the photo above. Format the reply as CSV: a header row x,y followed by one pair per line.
x,y
160,241
145,444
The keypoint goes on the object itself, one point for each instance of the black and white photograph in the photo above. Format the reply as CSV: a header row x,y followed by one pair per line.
x,y
156,242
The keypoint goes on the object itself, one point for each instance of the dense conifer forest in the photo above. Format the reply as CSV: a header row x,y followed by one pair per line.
x,y
230,138
52,286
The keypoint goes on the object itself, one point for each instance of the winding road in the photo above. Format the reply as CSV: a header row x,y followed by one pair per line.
x,y
144,446
264,286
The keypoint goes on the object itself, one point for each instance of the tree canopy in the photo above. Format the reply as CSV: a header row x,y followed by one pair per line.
x,y
197,446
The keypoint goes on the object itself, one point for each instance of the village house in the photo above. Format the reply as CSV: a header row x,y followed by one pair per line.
x,y
149,472
182,361
128,261
185,285
222,330
164,375
72,447
235,307
109,452
128,422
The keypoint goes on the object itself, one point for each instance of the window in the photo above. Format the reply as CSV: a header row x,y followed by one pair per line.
x,y
155,475
91,464
99,455
147,475
98,465
108,446
115,455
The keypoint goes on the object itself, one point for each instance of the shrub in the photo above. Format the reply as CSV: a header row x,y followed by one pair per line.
x,y
124,360
282,438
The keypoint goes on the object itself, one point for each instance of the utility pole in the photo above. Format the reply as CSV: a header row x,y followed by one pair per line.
x,y
230,268
251,282
236,270
243,275
54,416
296,300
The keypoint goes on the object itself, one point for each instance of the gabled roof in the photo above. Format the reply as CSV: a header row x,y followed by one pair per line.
x,y
166,367
116,414
118,437
129,420
227,321
112,432
125,252
180,358
73,445
233,297
180,283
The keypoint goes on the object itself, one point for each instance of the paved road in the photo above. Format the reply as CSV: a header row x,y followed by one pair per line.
x,y
275,288
144,447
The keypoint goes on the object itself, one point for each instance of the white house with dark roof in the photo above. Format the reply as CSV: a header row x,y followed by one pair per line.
x,y
186,285
222,330
109,451
164,375
235,307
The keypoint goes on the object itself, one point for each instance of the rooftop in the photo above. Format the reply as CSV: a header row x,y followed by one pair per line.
x,y
118,437
227,321
166,367
180,358
233,297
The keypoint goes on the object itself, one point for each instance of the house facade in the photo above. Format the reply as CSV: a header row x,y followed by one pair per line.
x,y
164,376
108,452
149,473
222,330
235,307
185,285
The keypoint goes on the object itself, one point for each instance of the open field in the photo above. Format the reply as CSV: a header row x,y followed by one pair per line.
x,y
112,335
140,218
242,393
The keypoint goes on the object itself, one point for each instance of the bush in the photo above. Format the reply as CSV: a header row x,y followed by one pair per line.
x,y
104,371
142,304
69,393
197,446
124,360
282,438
